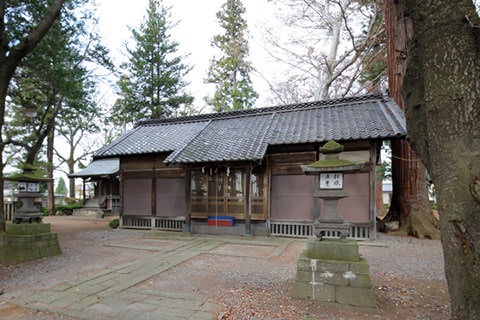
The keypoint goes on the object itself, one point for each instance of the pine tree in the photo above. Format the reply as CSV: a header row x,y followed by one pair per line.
x,y
61,187
152,85
230,72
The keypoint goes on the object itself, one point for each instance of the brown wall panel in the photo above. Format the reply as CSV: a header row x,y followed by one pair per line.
x,y
355,208
137,197
291,197
289,163
136,163
170,197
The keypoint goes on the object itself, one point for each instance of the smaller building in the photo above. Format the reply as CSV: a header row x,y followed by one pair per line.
x,y
244,166
103,175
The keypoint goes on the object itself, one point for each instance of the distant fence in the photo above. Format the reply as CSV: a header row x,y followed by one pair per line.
x,y
8,211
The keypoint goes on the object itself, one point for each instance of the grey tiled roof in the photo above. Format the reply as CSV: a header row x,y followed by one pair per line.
x,y
246,134
366,120
234,139
152,139
100,167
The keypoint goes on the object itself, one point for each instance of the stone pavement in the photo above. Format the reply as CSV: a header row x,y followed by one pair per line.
x,y
112,294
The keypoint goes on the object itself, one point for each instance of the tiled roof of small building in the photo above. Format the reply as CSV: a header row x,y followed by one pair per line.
x,y
152,139
246,134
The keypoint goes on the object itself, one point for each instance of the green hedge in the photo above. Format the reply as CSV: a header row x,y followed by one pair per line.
x,y
67,209
114,224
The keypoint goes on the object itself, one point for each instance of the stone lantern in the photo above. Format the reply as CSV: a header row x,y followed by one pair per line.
x,y
27,238
28,189
332,270
328,186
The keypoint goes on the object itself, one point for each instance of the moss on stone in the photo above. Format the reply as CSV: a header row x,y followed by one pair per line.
x,y
27,177
329,163
331,147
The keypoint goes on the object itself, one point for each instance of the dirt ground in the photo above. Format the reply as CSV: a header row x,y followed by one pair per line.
x,y
407,275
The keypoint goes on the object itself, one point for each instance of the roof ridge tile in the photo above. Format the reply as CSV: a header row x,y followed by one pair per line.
x,y
379,95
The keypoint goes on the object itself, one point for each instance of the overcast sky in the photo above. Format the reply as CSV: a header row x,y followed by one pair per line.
x,y
197,24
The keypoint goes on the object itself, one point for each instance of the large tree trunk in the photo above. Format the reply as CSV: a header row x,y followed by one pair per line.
x,y
51,183
10,58
380,207
71,166
442,95
410,205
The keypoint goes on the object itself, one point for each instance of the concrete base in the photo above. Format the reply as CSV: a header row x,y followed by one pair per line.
x,y
28,241
332,271
201,227
88,212
332,249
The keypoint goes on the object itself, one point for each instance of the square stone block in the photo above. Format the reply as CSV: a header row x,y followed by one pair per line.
x,y
305,263
360,281
27,228
322,277
333,249
358,297
359,267
318,292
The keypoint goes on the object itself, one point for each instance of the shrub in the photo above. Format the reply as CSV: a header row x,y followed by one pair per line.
x,y
67,209
114,224
72,201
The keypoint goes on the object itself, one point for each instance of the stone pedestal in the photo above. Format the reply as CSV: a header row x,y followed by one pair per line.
x,y
28,241
333,272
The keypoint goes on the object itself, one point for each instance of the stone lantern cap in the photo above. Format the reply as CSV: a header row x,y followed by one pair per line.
x,y
27,175
332,162
331,146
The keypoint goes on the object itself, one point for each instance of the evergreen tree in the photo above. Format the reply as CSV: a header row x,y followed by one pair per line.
x,y
152,85
230,72
61,187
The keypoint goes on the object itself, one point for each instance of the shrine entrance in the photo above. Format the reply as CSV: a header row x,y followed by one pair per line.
x,y
222,192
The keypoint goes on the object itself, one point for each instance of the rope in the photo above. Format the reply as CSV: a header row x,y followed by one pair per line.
x,y
404,159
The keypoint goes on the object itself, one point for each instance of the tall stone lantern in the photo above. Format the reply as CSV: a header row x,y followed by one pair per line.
x,y
28,189
332,270
27,238
328,186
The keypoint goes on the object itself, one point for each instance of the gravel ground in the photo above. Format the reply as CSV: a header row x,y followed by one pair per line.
x,y
83,251
407,275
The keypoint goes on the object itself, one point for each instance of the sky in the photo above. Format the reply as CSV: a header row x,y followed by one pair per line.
x,y
197,24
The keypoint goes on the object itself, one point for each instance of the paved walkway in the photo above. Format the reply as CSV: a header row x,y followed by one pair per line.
x,y
112,294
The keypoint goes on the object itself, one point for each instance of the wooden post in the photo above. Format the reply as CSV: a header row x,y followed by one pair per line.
x,y
248,199
154,197
120,191
84,196
188,200
372,193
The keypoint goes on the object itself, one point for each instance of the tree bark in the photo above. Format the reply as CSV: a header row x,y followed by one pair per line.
x,y
442,95
410,205
51,183
10,57
380,208
71,181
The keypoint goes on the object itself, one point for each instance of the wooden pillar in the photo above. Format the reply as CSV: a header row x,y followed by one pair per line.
x,y
120,191
154,196
83,179
372,188
248,199
188,200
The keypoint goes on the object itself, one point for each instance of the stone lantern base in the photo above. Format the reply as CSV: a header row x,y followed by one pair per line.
x,y
333,272
28,241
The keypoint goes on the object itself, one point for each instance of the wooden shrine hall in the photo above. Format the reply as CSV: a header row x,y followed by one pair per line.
x,y
239,172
